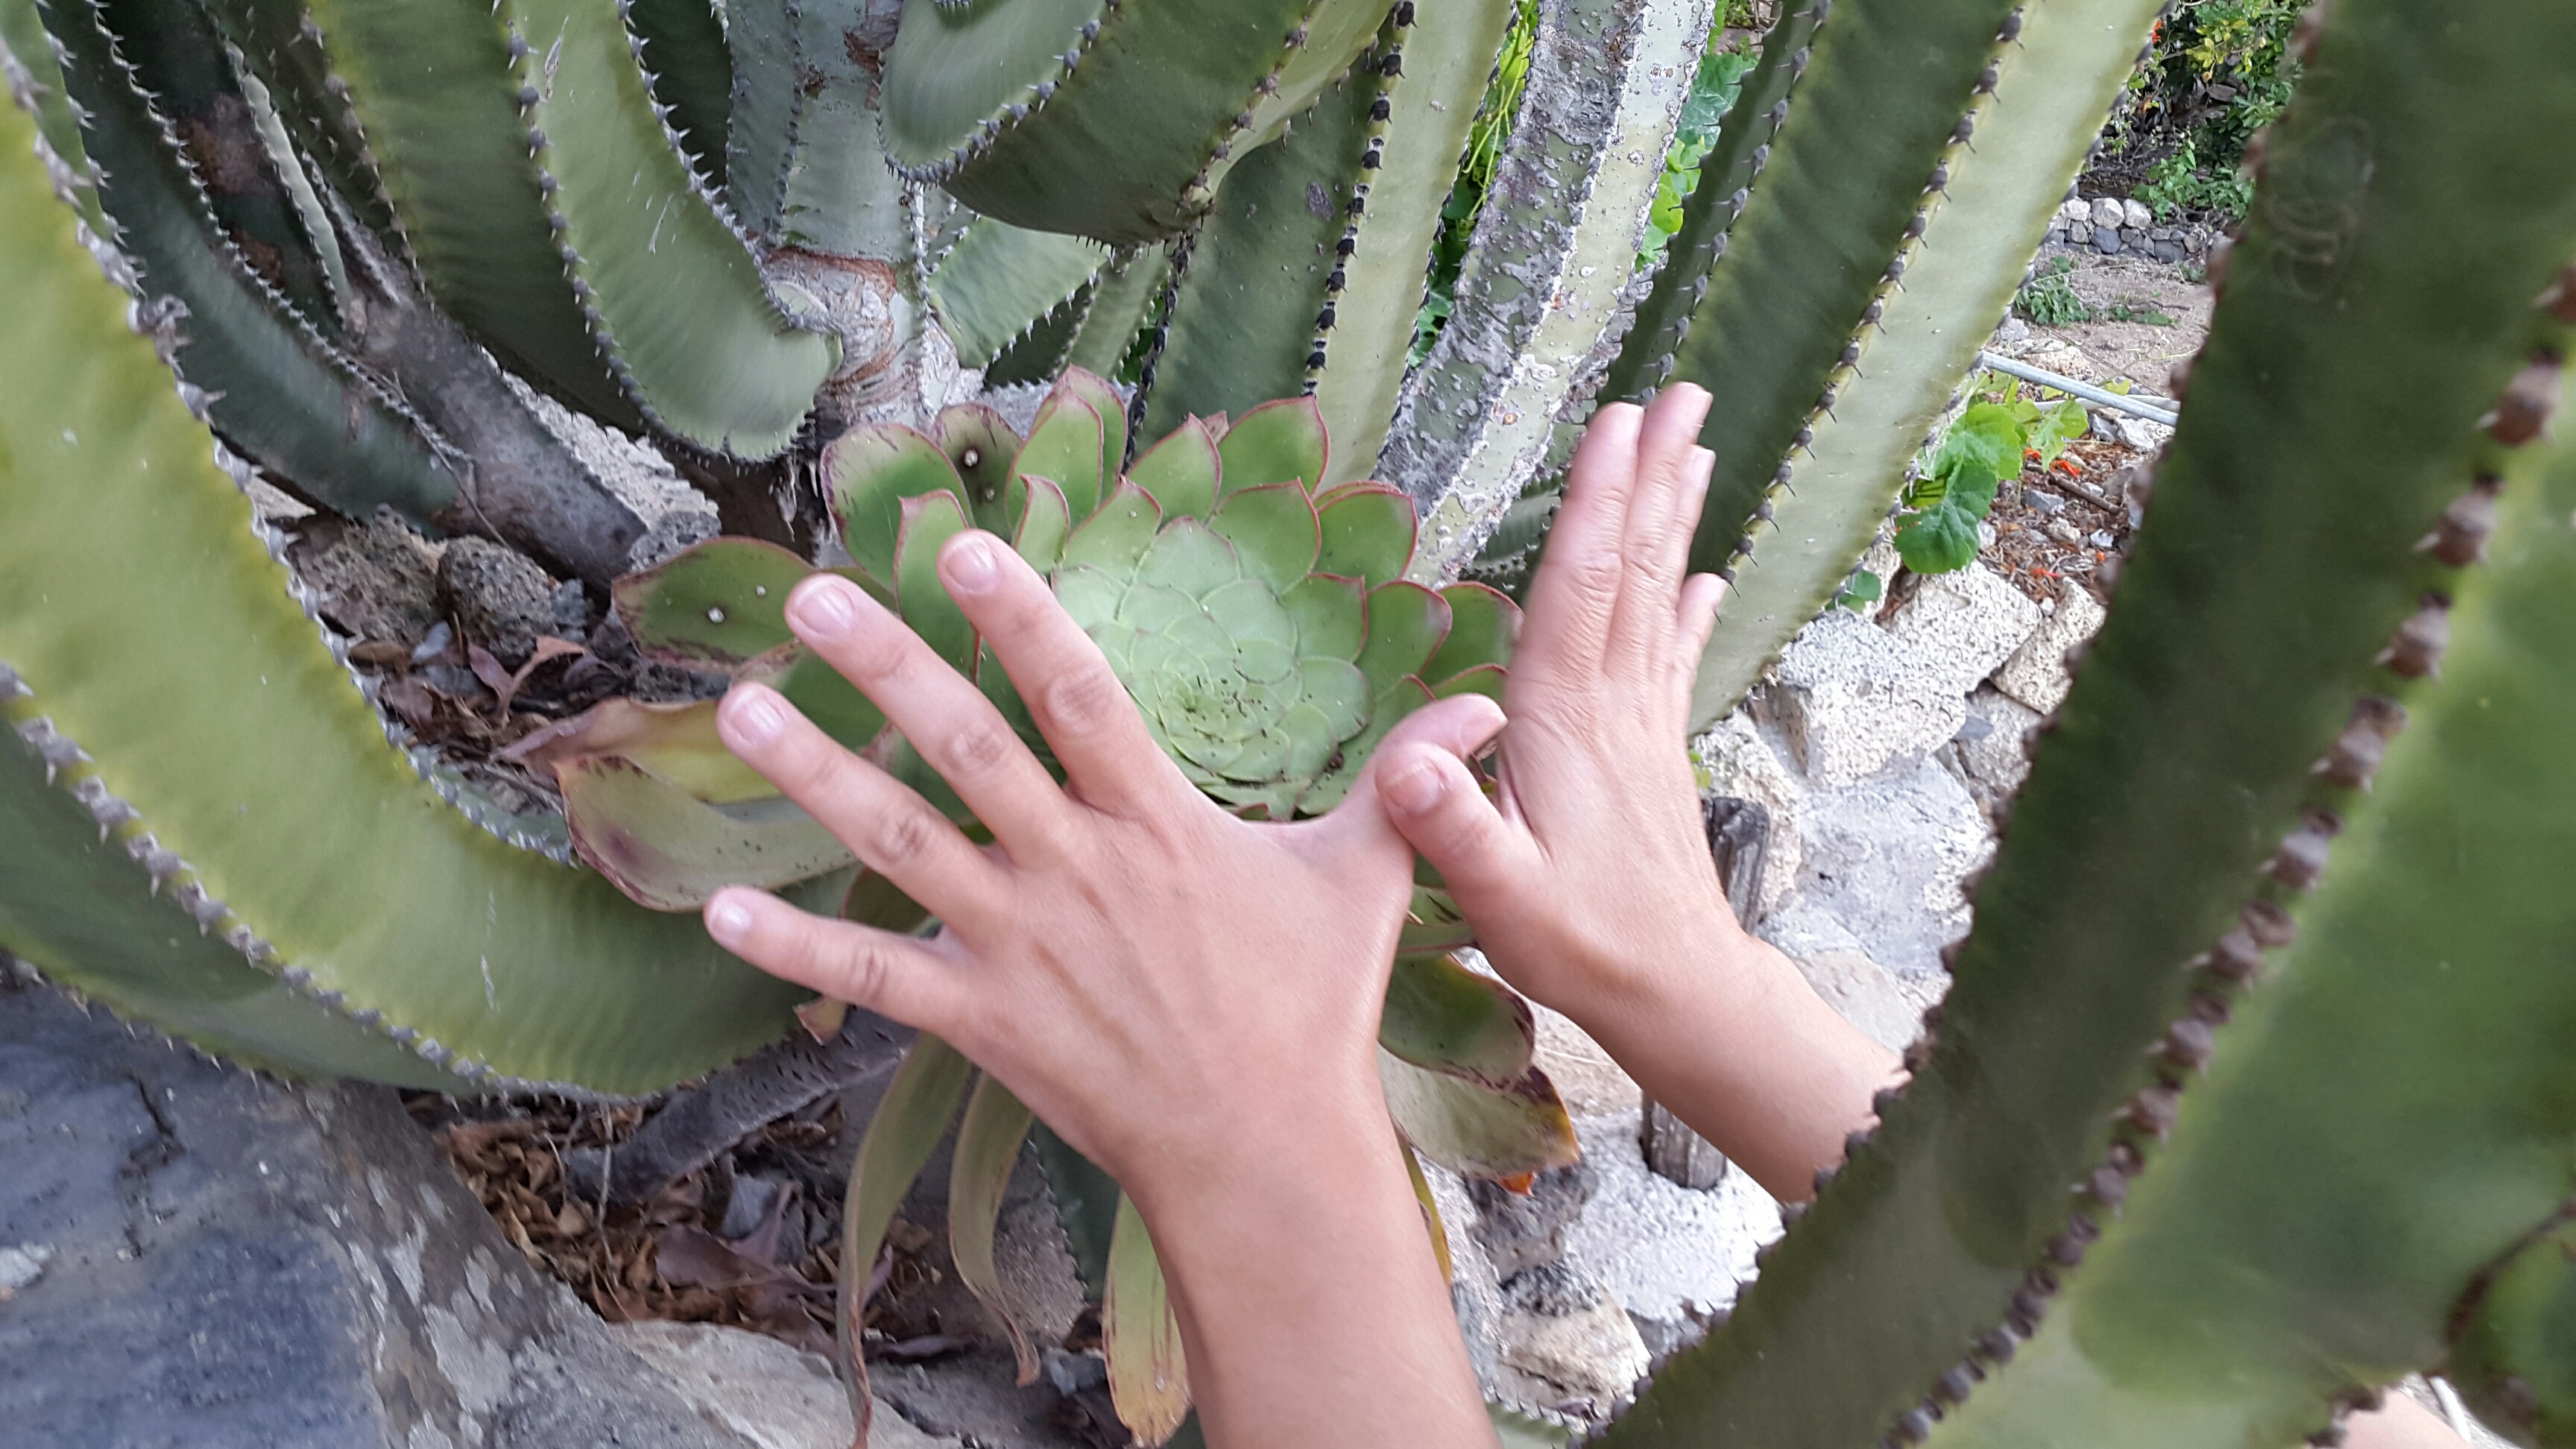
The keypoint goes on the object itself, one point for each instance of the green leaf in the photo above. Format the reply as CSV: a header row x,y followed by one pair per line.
x,y
672,852
825,696
1277,442
867,474
720,605
1442,1017
1149,1381
988,1147
909,1121
1180,471
1406,623
1986,442
1478,1130
675,743
928,523
1065,448
1368,533
999,280
1044,523
981,446
1482,625
1273,530
1115,538
1939,540
1331,615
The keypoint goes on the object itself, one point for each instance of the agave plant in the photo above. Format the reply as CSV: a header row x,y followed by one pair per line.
x,y
2251,1094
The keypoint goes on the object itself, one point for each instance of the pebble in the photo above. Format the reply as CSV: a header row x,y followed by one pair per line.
x,y
2045,504
2064,532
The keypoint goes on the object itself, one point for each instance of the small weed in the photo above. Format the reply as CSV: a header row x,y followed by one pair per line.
x,y
2048,300
2149,315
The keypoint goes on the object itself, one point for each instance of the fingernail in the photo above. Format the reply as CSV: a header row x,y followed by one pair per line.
x,y
1413,789
729,921
970,565
823,609
753,717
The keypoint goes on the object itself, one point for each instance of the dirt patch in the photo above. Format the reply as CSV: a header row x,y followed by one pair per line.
x,y
2148,316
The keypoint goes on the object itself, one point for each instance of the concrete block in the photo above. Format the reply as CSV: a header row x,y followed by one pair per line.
x,y
1964,625
2037,674
1854,700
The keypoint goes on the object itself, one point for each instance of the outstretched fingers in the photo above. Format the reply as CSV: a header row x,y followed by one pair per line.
x,y
1575,593
940,712
1108,756
891,975
888,826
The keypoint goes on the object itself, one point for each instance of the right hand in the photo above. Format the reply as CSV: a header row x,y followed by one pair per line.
x,y
1590,865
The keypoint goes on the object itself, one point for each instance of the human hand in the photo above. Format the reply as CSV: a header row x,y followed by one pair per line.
x,y
1157,979
1587,878
1591,866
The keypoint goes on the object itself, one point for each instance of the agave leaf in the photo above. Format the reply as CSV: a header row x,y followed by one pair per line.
x,y
1149,1381
670,851
868,472
988,1147
1277,442
1273,530
1444,1018
1181,471
1475,1129
1065,444
1368,533
928,523
2514,1359
981,446
908,1123
720,605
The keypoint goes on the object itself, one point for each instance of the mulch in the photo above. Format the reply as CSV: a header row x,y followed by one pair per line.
x,y
2045,551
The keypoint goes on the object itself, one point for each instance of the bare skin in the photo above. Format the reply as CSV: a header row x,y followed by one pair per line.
x,y
1192,1000
1189,998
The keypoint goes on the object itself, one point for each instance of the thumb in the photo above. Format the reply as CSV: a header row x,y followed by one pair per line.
x,y
1434,803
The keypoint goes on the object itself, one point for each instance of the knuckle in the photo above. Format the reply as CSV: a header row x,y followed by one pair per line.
x,y
1085,699
906,835
979,747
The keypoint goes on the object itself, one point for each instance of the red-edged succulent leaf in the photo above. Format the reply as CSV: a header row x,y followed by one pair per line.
x,y
1113,539
928,523
1482,1131
1406,624
1065,444
1180,471
719,606
1273,530
676,743
1277,442
1102,397
1368,532
867,474
1444,1018
980,446
1483,624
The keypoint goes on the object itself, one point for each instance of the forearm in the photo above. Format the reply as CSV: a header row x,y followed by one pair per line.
x,y
1734,1042
1312,1308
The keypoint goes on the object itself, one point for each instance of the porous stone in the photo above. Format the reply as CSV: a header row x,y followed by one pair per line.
x,y
765,1392
675,533
2143,433
236,1264
1744,761
1990,747
2075,208
2137,214
500,599
1884,858
1964,624
1564,1344
377,579
2108,212
1672,1256
1854,700
2037,675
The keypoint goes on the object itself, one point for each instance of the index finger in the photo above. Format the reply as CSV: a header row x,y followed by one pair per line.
x,y
1110,759
1575,593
